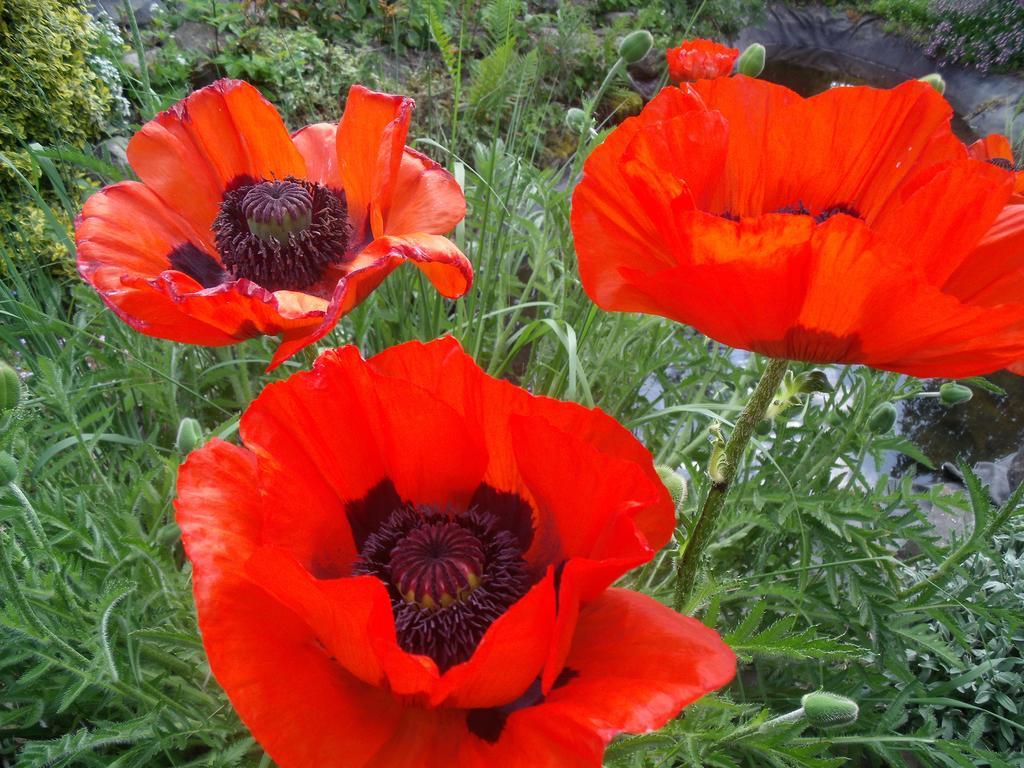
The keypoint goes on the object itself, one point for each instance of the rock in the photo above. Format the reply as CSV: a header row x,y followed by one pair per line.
x,y
116,150
131,59
608,19
142,9
196,37
646,75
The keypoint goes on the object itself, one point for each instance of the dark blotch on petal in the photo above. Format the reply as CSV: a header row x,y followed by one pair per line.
x,y
367,514
488,724
198,265
510,510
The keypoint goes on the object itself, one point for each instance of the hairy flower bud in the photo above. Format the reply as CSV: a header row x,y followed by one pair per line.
x,y
935,81
576,119
829,710
8,468
882,419
10,388
635,46
812,381
190,434
751,61
954,393
674,483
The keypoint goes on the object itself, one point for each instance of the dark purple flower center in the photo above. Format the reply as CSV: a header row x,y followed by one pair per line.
x,y
799,209
437,565
449,577
282,235
1001,162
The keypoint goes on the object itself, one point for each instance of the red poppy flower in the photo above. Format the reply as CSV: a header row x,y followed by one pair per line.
x,y
996,149
836,229
994,272
700,60
408,564
238,229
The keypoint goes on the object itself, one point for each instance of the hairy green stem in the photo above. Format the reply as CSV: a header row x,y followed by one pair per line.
x,y
689,562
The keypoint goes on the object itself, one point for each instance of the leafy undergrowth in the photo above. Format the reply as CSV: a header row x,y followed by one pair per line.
x,y
825,576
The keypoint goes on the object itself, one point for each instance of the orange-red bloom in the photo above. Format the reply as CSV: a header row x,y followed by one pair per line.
x,y
408,564
996,149
994,272
239,229
700,60
850,227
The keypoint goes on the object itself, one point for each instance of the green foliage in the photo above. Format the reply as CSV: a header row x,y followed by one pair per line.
x,y
277,59
825,576
51,89
909,13
59,86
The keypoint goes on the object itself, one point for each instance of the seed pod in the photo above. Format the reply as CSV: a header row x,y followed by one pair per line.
x,y
829,710
954,393
635,46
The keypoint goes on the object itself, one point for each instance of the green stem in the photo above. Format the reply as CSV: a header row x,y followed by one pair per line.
x,y
689,562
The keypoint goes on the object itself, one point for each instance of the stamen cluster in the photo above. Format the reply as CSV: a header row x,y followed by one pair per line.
x,y
449,577
282,235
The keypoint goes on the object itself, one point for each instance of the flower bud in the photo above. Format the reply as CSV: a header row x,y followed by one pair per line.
x,y
190,434
10,388
718,462
764,427
882,419
635,46
751,61
674,483
829,710
8,468
935,81
812,381
954,393
576,119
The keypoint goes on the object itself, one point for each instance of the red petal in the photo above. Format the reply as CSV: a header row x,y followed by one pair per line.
x,y
938,216
190,154
999,254
391,429
847,146
579,493
426,198
453,376
510,655
535,737
350,617
317,144
438,258
371,142
124,236
246,632
612,227
637,664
